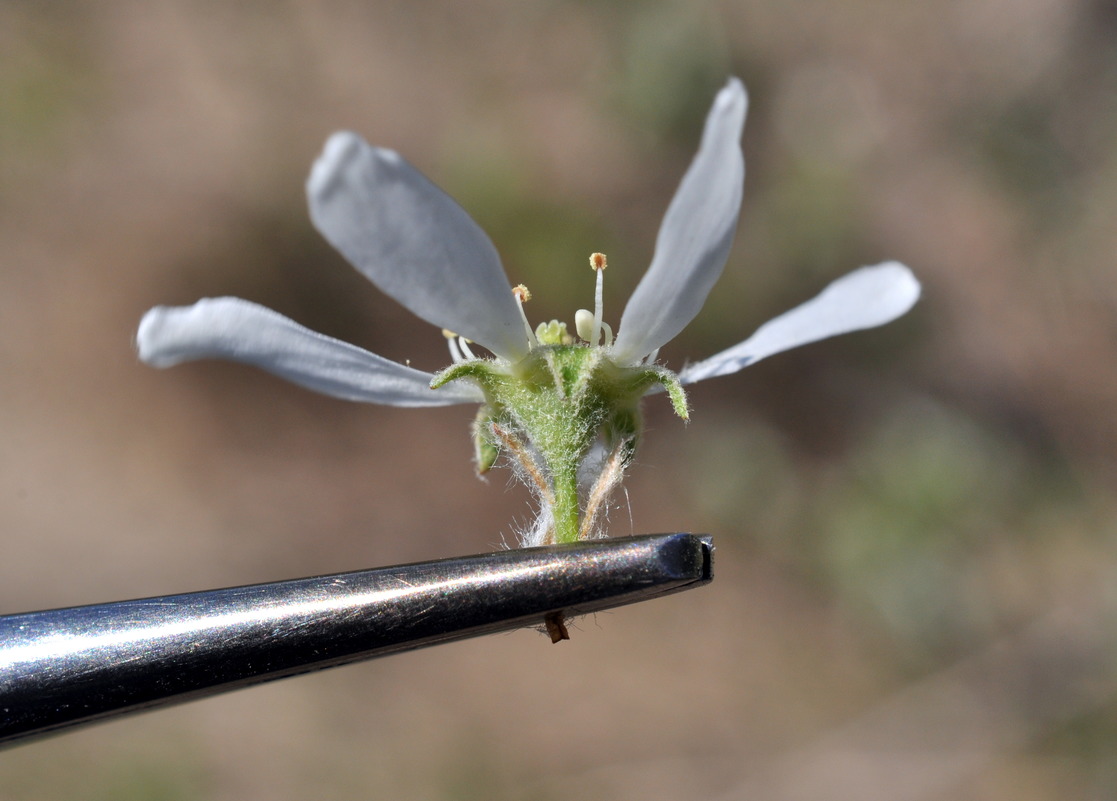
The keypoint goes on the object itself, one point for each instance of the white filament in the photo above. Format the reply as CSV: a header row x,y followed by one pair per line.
x,y
597,307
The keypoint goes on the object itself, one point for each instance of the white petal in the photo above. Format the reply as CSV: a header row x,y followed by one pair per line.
x,y
235,329
414,242
864,298
695,236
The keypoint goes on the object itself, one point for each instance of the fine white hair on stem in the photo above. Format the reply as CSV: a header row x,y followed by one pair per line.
x,y
610,476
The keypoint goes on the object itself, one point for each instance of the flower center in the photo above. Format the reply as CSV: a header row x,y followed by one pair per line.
x,y
553,333
589,325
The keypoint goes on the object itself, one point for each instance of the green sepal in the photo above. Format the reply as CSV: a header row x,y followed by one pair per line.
x,y
485,449
482,371
675,391
648,377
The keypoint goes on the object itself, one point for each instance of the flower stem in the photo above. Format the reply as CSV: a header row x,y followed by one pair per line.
x,y
565,508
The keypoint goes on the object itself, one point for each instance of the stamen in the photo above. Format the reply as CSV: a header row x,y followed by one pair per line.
x,y
651,357
598,263
523,295
608,329
583,324
452,343
463,343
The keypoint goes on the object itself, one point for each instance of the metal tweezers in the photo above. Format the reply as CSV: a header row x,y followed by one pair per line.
x,y
65,667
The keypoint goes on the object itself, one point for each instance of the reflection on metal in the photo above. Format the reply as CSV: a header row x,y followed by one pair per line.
x,y
64,667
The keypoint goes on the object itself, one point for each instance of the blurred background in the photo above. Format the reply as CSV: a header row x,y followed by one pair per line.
x,y
915,525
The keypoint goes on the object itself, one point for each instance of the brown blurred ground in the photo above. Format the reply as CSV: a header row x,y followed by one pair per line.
x,y
915,525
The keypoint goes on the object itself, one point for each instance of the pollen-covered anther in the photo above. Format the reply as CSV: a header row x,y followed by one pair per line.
x,y
598,261
522,293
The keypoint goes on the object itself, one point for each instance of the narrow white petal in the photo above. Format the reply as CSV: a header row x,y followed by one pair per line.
x,y
414,242
864,298
695,236
240,331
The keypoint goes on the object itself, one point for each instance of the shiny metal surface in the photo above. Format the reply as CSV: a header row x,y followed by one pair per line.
x,y
64,667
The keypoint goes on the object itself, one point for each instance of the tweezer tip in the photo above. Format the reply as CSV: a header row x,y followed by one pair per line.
x,y
689,556
632,569
707,558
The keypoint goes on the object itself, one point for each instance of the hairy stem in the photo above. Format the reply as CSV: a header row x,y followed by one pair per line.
x,y
565,507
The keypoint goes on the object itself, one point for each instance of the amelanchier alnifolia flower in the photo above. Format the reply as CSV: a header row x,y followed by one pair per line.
x,y
561,407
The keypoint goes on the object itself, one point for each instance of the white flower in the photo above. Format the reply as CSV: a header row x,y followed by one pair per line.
x,y
418,246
